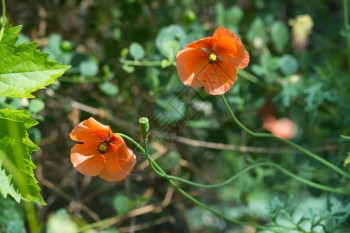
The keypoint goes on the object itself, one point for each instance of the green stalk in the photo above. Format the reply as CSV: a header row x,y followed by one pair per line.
x,y
158,170
209,186
283,170
288,142
346,27
3,19
140,63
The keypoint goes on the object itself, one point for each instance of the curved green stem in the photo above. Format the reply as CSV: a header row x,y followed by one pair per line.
x,y
133,142
208,186
290,143
283,170
158,170
3,4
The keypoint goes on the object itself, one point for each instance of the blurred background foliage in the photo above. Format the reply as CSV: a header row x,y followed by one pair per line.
x,y
122,55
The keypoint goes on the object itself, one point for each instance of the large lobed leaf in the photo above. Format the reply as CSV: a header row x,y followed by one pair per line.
x,y
16,166
23,69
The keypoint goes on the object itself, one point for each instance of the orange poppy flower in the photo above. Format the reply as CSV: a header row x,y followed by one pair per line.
x,y
100,151
211,62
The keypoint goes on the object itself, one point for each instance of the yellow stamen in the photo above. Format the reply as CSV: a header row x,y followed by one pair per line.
x,y
103,147
212,58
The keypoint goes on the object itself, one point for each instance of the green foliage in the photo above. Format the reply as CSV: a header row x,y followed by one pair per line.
x,y
24,69
11,217
15,157
136,51
123,55
279,35
289,65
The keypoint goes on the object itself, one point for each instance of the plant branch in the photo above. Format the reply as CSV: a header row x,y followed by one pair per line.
x,y
288,142
159,171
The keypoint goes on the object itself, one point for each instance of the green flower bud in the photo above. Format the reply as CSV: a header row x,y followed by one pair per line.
x,y
144,128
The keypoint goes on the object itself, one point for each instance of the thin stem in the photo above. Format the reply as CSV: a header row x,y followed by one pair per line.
x,y
209,186
346,26
3,19
140,63
283,170
133,141
158,170
290,143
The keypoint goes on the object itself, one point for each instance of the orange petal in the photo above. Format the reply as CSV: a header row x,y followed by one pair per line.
x,y
219,78
90,130
118,165
87,149
230,48
88,165
206,43
191,64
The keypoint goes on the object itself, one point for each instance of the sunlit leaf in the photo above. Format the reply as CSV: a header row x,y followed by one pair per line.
x,y
16,170
23,69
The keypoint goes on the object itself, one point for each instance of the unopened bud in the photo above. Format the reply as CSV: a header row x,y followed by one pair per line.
x,y
144,128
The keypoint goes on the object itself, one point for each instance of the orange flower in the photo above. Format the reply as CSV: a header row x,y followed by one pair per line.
x,y
211,62
283,127
100,152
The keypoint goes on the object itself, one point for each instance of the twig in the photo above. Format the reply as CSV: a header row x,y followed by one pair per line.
x,y
243,149
150,224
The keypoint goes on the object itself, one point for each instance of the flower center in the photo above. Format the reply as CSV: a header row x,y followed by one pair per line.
x,y
212,58
103,147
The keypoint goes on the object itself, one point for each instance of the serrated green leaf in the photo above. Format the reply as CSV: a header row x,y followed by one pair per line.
x,y
16,170
23,69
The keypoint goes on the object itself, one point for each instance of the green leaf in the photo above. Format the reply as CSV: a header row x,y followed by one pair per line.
x,y
23,69
279,35
289,65
36,105
61,221
109,88
256,29
121,204
234,15
169,40
220,13
136,51
16,168
11,216
88,68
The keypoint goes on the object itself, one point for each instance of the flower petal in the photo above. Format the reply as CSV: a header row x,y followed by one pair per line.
x,y
192,61
219,78
88,165
230,48
90,130
118,165
87,149
191,64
